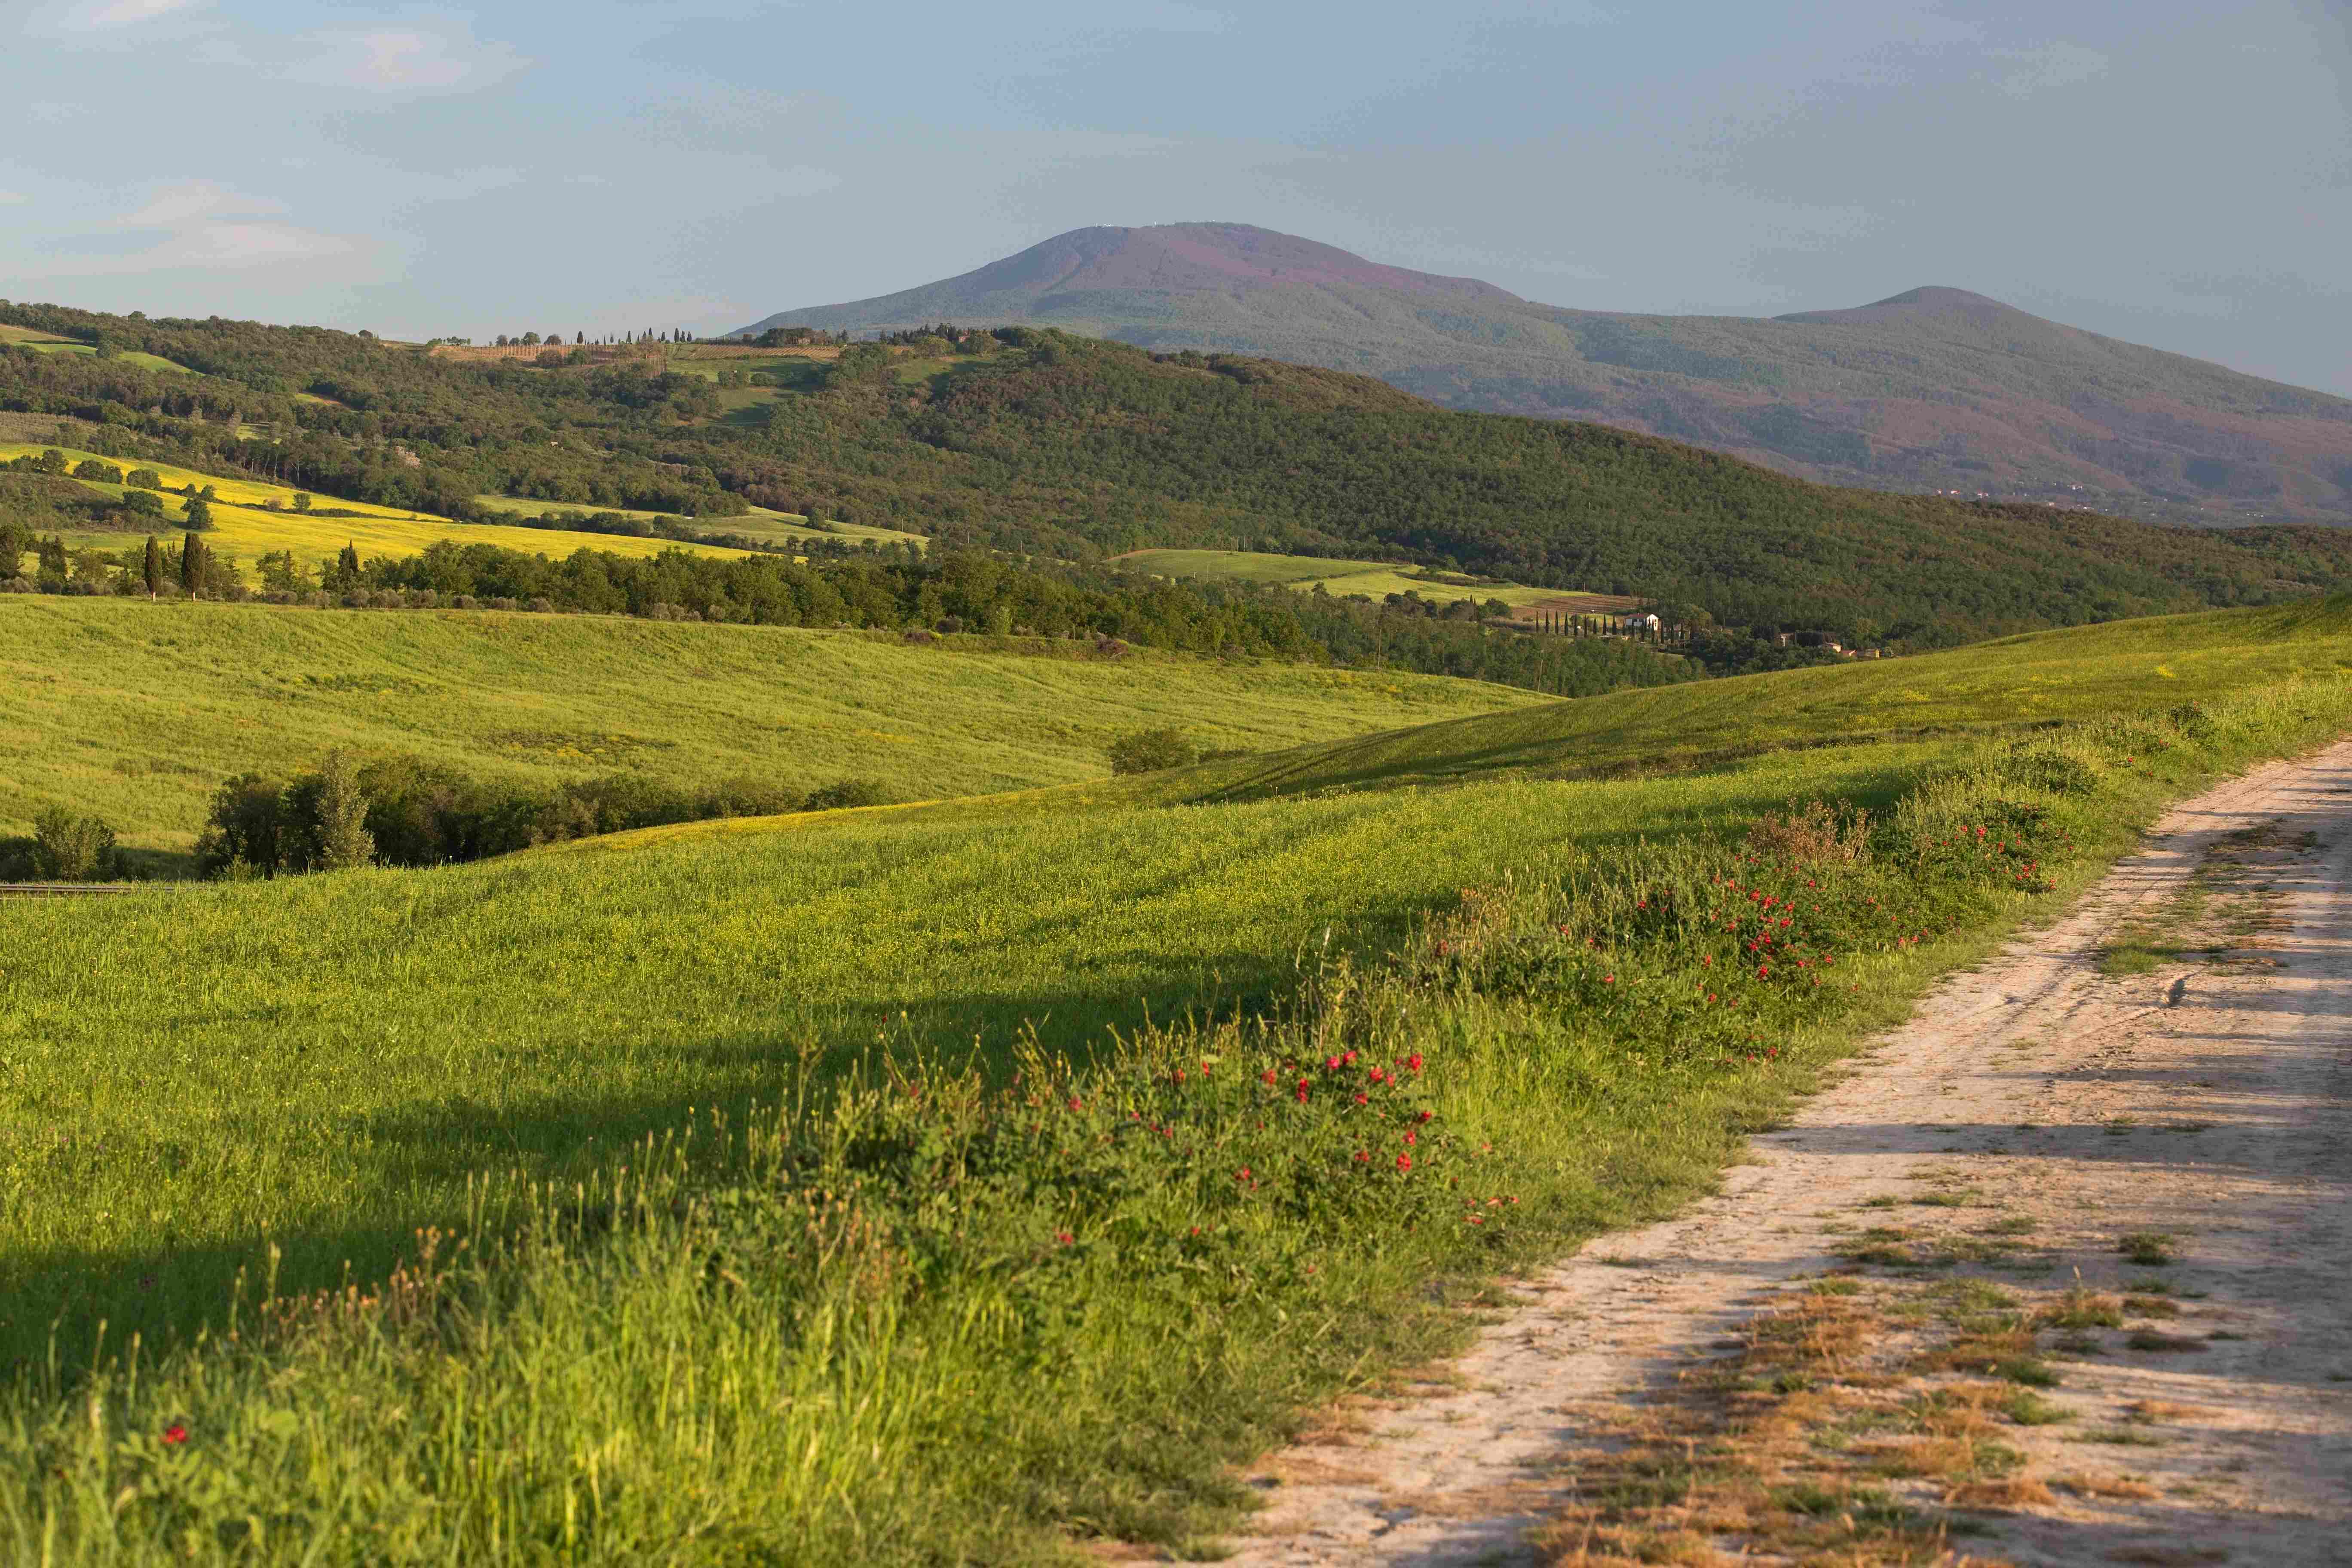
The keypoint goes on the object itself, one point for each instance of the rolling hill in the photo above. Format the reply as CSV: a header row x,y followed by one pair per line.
x,y
160,703
1933,389
1041,443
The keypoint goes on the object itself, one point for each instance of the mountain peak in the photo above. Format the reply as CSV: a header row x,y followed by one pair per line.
x,y
1916,304
1056,276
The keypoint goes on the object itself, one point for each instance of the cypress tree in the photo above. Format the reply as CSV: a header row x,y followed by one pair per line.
x,y
345,841
191,565
154,563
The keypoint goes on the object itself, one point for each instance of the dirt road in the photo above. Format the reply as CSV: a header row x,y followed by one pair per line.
x,y
2061,1274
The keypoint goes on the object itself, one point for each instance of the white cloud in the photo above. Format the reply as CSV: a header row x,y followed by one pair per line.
x,y
105,16
405,59
195,224
184,202
2051,64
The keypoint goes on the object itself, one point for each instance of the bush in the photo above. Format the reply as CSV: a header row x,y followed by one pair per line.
x,y
143,480
1150,750
69,849
850,792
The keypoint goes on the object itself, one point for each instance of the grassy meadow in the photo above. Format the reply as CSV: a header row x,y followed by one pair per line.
x,y
244,525
966,1182
2039,678
135,711
1374,579
46,343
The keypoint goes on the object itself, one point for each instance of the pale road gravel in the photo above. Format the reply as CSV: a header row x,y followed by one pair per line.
x,y
2211,1100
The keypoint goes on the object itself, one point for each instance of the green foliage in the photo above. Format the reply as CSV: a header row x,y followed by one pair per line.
x,y
67,847
341,837
1149,751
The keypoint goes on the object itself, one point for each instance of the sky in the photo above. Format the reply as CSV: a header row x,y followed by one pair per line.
x,y
2177,173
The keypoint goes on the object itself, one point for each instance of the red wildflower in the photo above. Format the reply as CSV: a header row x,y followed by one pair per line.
x,y
1363,1100
1267,1075
1412,1137
1429,1116
1404,1162
1413,1061
1607,980
1065,1237
1364,1156
175,1434
1241,1174
1348,1059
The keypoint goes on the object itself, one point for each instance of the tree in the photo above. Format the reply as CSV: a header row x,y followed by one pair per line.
x,y
342,836
51,462
301,501
199,514
146,503
69,849
191,563
143,480
246,821
347,563
153,572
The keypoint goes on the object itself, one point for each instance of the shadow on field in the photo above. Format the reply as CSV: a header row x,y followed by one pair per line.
x,y
396,1165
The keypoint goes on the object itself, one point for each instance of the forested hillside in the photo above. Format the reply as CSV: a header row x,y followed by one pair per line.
x,y
1074,448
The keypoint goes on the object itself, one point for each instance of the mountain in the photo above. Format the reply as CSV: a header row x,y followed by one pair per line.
x,y
1936,389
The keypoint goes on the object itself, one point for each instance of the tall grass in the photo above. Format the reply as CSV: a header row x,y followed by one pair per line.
x,y
935,1308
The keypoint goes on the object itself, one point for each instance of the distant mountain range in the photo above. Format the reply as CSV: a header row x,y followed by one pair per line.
x,y
1933,390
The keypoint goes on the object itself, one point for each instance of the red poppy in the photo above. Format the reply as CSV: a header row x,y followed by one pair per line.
x,y
175,1434
1065,1237
1404,1162
1413,1061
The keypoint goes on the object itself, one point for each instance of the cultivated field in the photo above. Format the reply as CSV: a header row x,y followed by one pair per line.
x,y
1373,579
245,527
777,527
983,1275
135,711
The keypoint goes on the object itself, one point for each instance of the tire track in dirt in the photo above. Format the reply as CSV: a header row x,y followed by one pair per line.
x,y
2208,1099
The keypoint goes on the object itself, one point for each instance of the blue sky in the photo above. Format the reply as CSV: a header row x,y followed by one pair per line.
x,y
2175,173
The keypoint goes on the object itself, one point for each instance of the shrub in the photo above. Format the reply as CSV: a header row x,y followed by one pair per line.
x,y
1812,834
1150,750
850,792
243,827
143,480
69,849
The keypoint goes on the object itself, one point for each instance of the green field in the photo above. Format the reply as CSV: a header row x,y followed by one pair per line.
x,y
43,342
918,1310
1373,579
135,710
